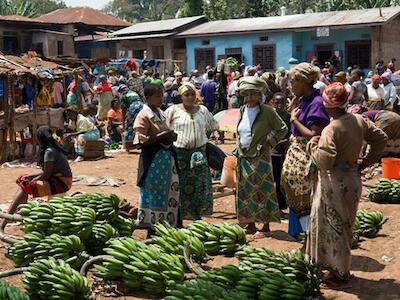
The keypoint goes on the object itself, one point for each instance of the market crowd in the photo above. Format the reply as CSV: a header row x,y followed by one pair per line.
x,y
299,136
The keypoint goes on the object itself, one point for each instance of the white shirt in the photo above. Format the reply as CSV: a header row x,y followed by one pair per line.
x,y
232,88
191,128
244,128
319,85
375,95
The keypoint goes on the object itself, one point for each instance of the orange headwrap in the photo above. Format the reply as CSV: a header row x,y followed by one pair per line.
x,y
335,95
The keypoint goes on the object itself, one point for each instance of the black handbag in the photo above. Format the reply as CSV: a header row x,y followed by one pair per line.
x,y
215,157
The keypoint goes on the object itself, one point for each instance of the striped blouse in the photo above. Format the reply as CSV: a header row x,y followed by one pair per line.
x,y
191,128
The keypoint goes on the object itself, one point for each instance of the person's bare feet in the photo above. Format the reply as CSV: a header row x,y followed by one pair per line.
x,y
250,228
332,281
265,228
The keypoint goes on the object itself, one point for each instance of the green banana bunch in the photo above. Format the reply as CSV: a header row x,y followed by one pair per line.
x,y
251,283
385,191
37,246
218,238
101,234
106,207
203,290
226,276
39,217
9,292
55,279
25,209
278,286
370,222
356,234
124,226
141,266
293,264
172,240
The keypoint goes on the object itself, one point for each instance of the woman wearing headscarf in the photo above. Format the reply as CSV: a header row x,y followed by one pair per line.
x,y
376,94
193,124
390,91
259,129
84,130
55,176
104,89
338,189
157,174
232,90
308,120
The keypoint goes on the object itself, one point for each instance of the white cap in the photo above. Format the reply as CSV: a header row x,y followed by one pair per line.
x,y
178,74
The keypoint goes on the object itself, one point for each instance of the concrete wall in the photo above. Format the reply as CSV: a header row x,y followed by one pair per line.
x,y
126,45
283,42
308,40
386,41
24,38
50,40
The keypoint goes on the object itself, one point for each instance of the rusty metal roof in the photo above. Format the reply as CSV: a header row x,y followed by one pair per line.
x,y
83,15
347,18
13,18
157,26
138,37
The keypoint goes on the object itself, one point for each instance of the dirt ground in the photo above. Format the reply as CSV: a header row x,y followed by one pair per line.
x,y
375,264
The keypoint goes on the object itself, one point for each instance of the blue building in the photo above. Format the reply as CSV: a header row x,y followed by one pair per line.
x,y
356,37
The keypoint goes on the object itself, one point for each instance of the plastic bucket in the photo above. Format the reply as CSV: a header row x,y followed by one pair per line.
x,y
228,177
391,168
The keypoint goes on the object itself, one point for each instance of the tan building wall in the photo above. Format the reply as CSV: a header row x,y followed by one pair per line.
x,y
149,45
50,43
385,41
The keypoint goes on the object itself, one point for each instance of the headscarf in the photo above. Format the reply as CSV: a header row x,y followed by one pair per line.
x,y
387,75
251,83
45,138
340,74
186,86
123,89
167,85
335,95
267,76
376,77
305,72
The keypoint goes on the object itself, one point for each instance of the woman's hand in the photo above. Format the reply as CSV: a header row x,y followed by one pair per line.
x,y
294,114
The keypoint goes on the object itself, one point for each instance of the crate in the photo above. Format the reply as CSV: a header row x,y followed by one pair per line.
x,y
94,149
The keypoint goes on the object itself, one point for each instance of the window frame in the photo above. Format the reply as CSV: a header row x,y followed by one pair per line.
x,y
359,43
263,45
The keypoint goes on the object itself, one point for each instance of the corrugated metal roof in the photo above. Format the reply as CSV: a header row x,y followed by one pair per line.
x,y
163,25
84,15
293,22
13,18
137,37
91,37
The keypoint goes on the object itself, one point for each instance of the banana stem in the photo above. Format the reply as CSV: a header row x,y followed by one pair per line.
x,y
194,267
89,263
3,237
15,218
148,241
12,272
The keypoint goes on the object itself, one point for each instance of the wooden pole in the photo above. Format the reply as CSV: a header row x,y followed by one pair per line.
x,y
12,116
64,90
34,125
4,131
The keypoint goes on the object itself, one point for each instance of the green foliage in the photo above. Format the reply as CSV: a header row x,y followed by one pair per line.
x,y
30,8
190,8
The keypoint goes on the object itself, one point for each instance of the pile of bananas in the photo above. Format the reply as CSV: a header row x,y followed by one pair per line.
x,y
385,191
226,276
218,238
172,240
279,286
141,266
101,234
124,226
9,292
37,246
370,222
55,279
293,265
202,289
105,206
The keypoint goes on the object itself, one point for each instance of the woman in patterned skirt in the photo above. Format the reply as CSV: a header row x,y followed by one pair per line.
x,y
259,129
308,120
193,124
157,174
338,189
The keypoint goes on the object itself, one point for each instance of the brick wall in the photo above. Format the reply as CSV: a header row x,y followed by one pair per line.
x,y
385,41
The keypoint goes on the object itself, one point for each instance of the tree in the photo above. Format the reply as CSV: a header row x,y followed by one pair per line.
x,y
30,8
190,8
226,9
143,10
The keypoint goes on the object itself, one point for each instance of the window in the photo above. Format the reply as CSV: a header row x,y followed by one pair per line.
x,y
157,52
264,55
60,48
358,53
204,57
235,53
205,42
